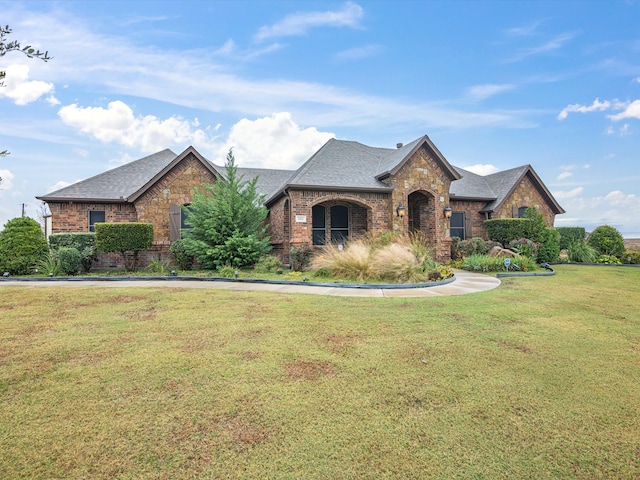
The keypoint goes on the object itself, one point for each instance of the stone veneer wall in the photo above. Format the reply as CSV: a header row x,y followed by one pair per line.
x,y
176,187
525,195
421,173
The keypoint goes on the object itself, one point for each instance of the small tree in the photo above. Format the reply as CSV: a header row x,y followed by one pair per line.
x,y
123,238
228,221
607,241
22,245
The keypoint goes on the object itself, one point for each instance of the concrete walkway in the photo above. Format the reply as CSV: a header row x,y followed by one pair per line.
x,y
465,282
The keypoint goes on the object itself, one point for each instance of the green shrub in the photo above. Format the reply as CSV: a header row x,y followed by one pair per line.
x,y
159,266
268,264
608,259
300,257
503,230
607,241
49,264
85,243
570,236
183,259
549,250
226,271
22,245
632,257
582,253
525,247
237,251
483,263
70,260
472,246
124,237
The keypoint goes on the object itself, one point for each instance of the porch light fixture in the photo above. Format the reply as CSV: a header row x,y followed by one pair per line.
x,y
447,212
400,211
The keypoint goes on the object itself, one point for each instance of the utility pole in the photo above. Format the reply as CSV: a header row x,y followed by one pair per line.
x,y
24,209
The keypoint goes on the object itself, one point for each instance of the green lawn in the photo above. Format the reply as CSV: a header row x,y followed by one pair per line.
x,y
539,378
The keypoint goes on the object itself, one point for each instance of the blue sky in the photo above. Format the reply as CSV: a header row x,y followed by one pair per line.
x,y
495,85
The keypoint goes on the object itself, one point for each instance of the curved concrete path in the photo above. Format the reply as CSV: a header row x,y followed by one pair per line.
x,y
465,282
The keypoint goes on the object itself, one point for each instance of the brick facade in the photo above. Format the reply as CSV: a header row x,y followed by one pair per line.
x,y
473,217
421,184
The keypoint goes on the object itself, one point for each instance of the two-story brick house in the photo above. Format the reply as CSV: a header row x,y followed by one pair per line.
x,y
344,190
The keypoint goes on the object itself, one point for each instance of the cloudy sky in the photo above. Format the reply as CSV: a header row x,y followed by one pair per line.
x,y
495,85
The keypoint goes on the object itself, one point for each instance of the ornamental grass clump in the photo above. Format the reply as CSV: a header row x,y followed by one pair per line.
x,y
404,259
397,263
352,262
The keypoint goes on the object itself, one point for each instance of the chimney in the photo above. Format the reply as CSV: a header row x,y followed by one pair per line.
x,y
399,145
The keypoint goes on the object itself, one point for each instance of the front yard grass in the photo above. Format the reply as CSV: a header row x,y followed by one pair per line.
x,y
539,378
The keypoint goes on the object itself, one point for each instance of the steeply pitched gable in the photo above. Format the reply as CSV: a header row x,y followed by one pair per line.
x,y
505,182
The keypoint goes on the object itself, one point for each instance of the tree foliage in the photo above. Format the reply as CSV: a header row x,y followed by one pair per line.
x,y
22,245
15,46
607,241
228,221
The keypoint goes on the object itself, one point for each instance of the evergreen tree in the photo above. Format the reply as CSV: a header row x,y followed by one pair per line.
x,y
228,221
22,245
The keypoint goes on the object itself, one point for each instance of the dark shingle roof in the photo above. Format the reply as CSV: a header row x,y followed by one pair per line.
x,y
116,184
339,164
471,186
269,181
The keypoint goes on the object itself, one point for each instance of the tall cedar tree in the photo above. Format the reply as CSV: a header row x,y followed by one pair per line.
x,y
228,221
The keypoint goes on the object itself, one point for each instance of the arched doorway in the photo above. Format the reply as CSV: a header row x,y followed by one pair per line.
x,y
421,212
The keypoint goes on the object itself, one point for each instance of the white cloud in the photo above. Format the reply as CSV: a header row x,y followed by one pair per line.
x,y
562,195
301,23
565,174
7,180
632,110
554,44
272,142
596,106
616,208
482,169
117,124
20,89
59,185
359,53
482,92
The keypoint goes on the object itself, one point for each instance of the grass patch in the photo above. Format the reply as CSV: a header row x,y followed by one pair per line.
x,y
539,378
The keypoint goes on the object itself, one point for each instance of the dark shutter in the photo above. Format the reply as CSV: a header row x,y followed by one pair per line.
x,y
467,227
514,211
174,222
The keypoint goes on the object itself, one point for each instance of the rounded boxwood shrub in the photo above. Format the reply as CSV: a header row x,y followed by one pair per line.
x,y
70,260
607,241
22,245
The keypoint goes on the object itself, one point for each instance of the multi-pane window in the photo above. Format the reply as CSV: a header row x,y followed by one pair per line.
x,y
334,227
456,227
319,224
95,216
339,224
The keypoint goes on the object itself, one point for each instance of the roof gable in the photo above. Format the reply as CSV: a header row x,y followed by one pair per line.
x,y
505,182
399,157
152,181
114,185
